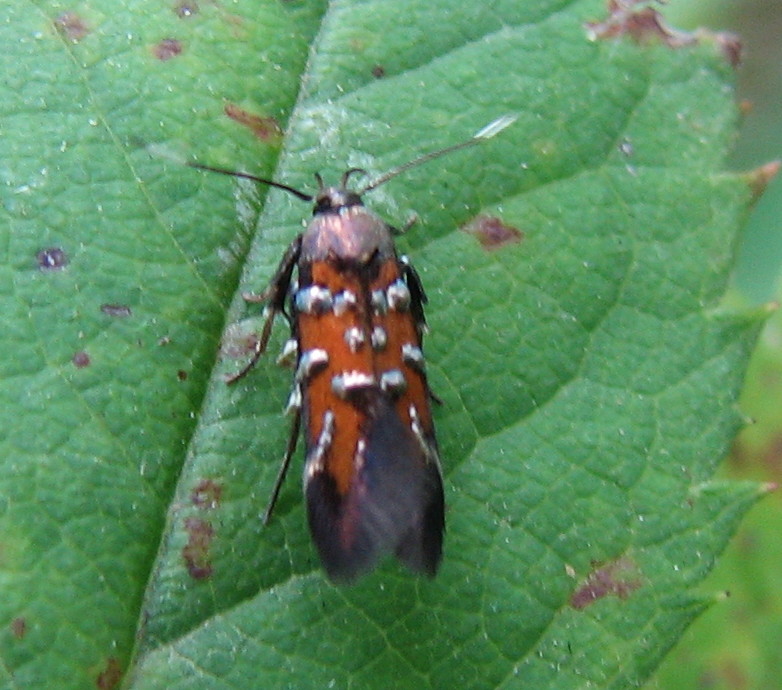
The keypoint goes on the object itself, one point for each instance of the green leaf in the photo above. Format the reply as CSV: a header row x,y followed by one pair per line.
x,y
588,373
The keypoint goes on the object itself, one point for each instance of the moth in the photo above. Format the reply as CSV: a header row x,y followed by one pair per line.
x,y
360,394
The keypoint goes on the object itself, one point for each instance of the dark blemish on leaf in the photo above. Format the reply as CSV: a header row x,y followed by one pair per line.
x,y
264,128
167,48
185,9
51,259
80,359
181,375
19,627
378,71
492,233
110,676
206,494
71,26
618,578
196,551
117,310
759,178
644,24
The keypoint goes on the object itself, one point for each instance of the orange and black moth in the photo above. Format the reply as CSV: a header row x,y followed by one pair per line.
x,y
360,394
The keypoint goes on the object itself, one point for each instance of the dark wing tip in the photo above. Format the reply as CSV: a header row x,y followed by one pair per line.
x,y
395,505
344,559
421,547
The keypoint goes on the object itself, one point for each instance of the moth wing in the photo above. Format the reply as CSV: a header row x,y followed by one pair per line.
x,y
395,503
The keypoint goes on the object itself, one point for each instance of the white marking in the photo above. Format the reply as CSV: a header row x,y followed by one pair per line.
x,y
412,355
398,295
379,338
318,453
311,361
418,430
294,400
289,352
393,381
495,127
343,301
355,339
350,381
314,299
358,457
379,303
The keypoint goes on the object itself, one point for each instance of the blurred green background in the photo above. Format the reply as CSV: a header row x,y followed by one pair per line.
x,y
738,643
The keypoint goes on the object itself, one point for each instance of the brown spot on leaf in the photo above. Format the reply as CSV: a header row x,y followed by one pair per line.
x,y
109,677
378,71
492,233
167,48
196,551
116,310
186,8
206,494
19,627
618,578
644,24
182,375
264,128
51,259
80,359
71,26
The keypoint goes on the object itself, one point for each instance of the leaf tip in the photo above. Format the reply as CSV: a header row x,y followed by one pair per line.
x,y
759,178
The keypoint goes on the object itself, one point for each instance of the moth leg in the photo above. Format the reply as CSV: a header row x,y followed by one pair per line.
x,y
290,449
274,295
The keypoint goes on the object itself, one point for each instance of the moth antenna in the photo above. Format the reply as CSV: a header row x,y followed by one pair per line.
x,y
255,178
487,132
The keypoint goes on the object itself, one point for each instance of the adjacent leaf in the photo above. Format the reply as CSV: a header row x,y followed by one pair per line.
x,y
588,375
